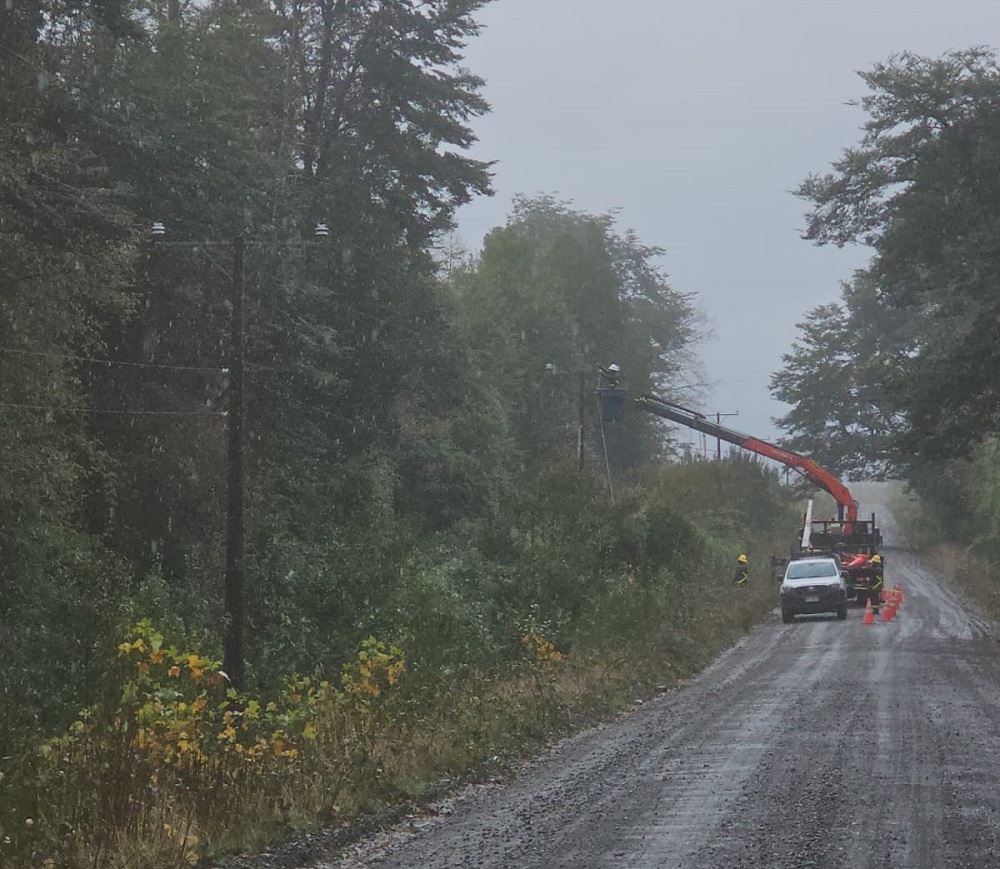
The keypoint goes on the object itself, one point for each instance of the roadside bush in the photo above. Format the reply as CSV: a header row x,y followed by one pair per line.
x,y
158,776
563,605
446,610
318,600
56,621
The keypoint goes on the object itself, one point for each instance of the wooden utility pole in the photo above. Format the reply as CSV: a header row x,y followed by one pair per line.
x,y
233,660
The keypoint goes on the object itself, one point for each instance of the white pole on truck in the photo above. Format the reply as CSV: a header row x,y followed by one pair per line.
x,y
807,526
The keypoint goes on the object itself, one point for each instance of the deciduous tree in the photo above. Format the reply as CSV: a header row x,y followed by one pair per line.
x,y
558,291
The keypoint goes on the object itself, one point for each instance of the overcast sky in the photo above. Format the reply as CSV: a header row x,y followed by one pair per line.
x,y
695,119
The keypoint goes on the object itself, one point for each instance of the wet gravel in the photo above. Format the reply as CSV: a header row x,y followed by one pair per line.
x,y
821,743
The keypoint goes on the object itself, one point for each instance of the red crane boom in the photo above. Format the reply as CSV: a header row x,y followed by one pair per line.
x,y
847,506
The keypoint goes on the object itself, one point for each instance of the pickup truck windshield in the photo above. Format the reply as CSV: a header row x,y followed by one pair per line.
x,y
810,569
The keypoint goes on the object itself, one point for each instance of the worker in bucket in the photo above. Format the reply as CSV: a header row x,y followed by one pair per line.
x,y
742,571
875,582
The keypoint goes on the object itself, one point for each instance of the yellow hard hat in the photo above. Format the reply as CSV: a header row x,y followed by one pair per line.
x,y
742,559
877,559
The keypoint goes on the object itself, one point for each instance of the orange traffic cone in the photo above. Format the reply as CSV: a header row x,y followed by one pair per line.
x,y
886,611
869,618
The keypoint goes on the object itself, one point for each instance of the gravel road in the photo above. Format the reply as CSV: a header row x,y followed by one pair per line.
x,y
821,743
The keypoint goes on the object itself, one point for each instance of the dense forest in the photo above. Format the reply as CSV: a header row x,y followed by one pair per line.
x,y
225,261
302,509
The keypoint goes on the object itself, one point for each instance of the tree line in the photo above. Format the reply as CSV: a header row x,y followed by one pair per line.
x,y
402,404
898,378
432,578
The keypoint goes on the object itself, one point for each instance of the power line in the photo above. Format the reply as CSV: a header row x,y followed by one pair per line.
x,y
109,362
313,408
71,409
264,195
220,369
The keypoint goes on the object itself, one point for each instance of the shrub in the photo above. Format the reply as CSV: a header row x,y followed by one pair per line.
x,y
166,769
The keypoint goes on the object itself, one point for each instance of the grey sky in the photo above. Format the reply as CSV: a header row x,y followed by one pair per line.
x,y
695,119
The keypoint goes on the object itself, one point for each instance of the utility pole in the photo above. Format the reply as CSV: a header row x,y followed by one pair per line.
x,y
718,441
552,370
233,659
235,578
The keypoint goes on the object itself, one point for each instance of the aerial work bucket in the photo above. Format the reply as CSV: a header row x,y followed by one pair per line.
x,y
611,403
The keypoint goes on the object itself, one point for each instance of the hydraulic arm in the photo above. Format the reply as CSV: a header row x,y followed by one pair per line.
x,y
846,505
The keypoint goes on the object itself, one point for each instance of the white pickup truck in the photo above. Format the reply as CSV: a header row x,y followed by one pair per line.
x,y
813,585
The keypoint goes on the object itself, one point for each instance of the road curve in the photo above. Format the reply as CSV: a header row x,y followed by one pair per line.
x,y
821,743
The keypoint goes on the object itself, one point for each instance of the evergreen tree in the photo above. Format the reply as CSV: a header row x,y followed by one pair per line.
x,y
65,255
922,189
838,380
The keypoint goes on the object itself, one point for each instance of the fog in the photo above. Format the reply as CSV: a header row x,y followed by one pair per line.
x,y
695,121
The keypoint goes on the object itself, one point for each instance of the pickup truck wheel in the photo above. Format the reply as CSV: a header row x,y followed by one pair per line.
x,y
842,612
787,616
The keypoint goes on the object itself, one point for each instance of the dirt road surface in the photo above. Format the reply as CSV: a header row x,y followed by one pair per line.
x,y
821,743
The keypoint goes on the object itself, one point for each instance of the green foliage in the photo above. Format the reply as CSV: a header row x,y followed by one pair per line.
x,y
577,577
986,480
220,118
958,502
446,612
60,594
65,254
921,189
412,471
180,754
739,497
837,379
555,293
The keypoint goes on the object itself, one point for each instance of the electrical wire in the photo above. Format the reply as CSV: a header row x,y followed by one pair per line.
x,y
290,370
109,362
263,195
312,408
71,409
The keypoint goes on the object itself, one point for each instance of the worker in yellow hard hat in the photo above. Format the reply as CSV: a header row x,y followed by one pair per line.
x,y
875,578
742,571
